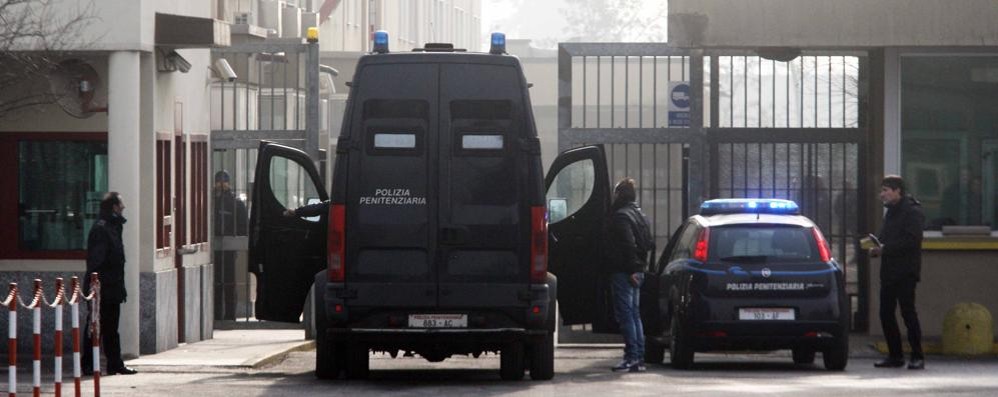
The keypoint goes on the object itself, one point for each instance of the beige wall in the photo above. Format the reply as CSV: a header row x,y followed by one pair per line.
x,y
948,278
821,23
410,24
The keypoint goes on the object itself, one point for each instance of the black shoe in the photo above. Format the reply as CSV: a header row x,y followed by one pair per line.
x,y
916,363
121,371
889,363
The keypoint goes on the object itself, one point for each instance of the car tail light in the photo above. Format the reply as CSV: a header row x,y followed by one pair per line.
x,y
823,250
538,244
700,252
336,243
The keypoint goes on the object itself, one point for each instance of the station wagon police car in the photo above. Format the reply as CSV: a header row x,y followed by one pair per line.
x,y
747,274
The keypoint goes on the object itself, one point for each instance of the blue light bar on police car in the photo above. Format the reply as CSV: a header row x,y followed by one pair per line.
x,y
498,43
749,206
381,42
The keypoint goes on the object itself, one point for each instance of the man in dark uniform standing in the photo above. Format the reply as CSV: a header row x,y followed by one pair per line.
x,y
106,256
900,269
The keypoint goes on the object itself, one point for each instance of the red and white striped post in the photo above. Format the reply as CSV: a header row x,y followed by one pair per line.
x,y
74,307
11,303
36,338
60,297
94,298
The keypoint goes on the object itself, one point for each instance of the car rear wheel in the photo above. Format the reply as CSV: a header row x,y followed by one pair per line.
x,y
837,357
511,362
329,354
542,358
803,356
680,351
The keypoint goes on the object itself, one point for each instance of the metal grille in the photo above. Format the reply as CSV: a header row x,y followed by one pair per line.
x,y
275,97
757,128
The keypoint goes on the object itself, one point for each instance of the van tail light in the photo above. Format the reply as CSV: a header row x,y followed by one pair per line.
x,y
823,250
700,251
538,245
336,243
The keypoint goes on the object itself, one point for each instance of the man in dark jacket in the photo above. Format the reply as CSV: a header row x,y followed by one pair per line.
x,y
628,246
106,256
900,268
230,219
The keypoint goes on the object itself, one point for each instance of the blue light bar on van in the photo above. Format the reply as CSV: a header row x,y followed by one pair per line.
x,y
749,206
498,43
381,42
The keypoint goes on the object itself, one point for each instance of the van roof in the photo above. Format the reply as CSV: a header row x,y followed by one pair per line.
x,y
438,57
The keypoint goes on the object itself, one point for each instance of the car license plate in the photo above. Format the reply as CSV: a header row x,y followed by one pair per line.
x,y
438,321
767,313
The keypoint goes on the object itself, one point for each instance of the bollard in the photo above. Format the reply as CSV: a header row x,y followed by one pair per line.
x,y
60,297
74,307
968,329
11,304
38,300
94,298
36,337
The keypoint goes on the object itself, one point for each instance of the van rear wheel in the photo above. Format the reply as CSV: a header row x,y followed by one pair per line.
x,y
358,362
511,361
542,358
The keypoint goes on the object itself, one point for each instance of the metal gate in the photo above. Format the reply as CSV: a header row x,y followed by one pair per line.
x,y
693,124
271,91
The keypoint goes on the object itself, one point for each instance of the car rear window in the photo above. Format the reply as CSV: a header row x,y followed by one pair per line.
x,y
770,243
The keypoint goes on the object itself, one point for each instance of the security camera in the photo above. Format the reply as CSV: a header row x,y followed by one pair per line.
x,y
224,70
174,62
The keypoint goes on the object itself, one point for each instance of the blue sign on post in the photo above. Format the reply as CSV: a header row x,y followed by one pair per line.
x,y
679,104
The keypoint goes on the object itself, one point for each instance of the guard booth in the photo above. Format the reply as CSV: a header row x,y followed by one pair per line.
x,y
267,90
698,124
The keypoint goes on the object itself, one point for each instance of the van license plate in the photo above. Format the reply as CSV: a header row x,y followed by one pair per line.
x,y
438,321
767,313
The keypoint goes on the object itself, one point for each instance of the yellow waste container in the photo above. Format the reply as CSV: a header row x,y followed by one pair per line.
x,y
968,329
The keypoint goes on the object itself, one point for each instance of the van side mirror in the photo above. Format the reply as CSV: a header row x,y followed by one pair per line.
x,y
557,209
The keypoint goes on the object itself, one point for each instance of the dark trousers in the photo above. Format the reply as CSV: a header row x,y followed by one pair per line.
x,y
110,340
891,295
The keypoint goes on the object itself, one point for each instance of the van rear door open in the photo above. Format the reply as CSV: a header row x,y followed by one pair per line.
x,y
285,252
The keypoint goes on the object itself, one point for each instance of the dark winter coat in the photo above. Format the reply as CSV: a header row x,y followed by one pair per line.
x,y
901,236
106,256
230,215
629,239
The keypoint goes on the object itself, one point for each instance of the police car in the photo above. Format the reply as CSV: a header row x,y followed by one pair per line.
x,y
747,274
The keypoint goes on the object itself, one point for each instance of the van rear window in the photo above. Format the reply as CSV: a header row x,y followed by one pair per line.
x,y
395,141
396,109
482,142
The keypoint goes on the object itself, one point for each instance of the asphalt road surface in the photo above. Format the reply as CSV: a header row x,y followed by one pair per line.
x,y
579,372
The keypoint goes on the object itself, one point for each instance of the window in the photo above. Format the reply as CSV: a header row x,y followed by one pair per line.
x,y
199,187
50,219
740,243
164,190
570,190
949,137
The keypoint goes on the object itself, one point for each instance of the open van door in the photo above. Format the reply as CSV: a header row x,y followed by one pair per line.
x,y
284,252
578,199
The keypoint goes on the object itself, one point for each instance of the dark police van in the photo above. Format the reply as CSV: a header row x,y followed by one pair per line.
x,y
435,240
747,274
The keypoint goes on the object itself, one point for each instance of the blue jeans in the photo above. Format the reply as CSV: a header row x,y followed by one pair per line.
x,y
626,307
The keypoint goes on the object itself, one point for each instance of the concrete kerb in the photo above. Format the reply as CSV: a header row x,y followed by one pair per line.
x,y
231,349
